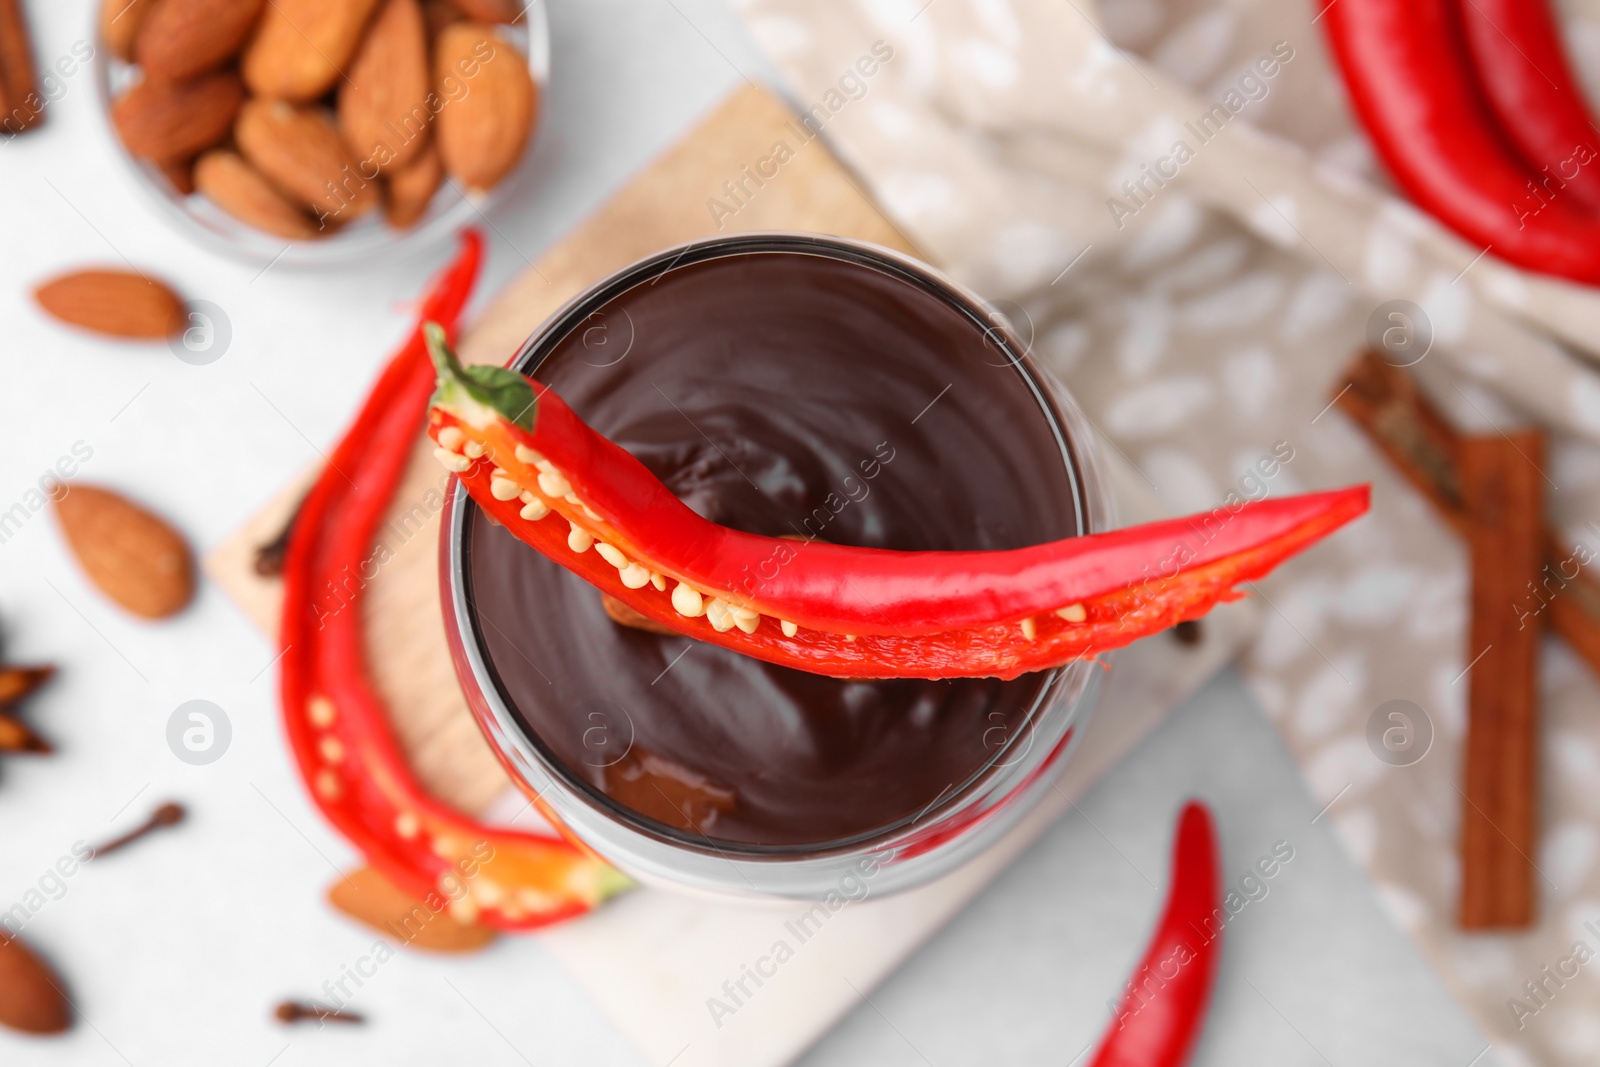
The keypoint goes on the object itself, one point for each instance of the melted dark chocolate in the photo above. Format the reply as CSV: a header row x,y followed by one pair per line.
x,y
780,394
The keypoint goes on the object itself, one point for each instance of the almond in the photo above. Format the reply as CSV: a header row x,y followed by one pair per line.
x,y
300,151
481,132
491,10
240,190
302,46
31,997
411,188
438,14
179,174
162,121
119,25
383,109
370,898
135,558
117,303
182,38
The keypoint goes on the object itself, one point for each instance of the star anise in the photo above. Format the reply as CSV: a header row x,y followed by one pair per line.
x,y
16,683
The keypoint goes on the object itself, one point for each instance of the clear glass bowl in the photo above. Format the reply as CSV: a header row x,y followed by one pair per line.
x,y
202,222
960,825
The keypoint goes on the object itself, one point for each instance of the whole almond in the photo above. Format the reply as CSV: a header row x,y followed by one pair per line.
x,y
482,130
370,898
164,121
119,25
411,188
490,10
302,46
383,110
182,38
300,151
117,303
240,190
31,997
135,558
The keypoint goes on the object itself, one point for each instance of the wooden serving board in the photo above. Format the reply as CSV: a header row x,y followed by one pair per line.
x,y
662,206
650,958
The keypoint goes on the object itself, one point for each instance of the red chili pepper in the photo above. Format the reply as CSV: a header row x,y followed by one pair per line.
x,y
829,609
1164,1005
337,726
1524,73
1406,67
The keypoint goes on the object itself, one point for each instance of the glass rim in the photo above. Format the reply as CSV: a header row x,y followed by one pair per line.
x,y
1005,771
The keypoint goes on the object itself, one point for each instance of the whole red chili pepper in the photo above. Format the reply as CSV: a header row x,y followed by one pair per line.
x,y
558,485
337,727
1406,67
1524,73
1163,1007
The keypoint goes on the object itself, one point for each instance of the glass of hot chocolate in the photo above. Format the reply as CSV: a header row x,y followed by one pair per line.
x,y
793,386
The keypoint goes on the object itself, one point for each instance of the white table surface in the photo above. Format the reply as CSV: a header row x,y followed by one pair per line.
x,y
176,950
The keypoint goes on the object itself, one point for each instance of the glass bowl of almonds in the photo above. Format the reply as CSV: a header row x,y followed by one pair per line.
x,y
320,133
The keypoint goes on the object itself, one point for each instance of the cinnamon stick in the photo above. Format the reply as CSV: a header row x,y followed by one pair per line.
x,y
1491,493
19,92
1575,607
1385,402
1502,491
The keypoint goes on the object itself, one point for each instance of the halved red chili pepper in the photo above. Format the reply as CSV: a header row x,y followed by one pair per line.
x,y
1406,67
1524,73
337,727
1163,1006
847,612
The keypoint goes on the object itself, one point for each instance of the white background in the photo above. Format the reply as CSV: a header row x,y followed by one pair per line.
x,y
176,950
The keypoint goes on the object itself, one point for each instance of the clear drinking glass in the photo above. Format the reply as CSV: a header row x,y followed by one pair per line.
x,y
968,818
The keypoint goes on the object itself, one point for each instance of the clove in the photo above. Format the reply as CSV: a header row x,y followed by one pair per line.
x,y
270,556
166,815
1187,632
292,1011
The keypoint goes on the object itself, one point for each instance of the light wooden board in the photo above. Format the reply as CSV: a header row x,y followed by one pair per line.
x,y
652,958
663,205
